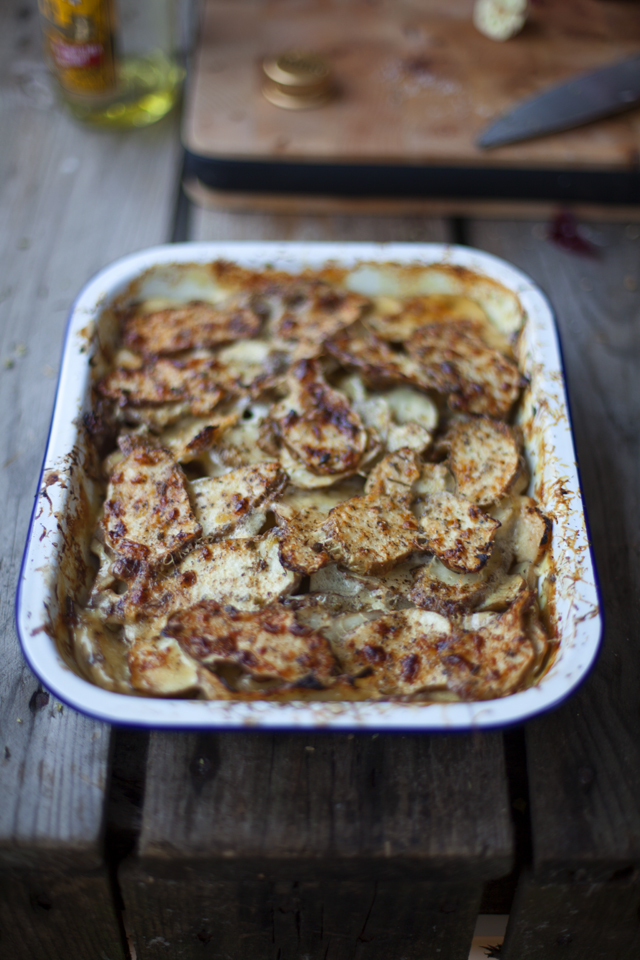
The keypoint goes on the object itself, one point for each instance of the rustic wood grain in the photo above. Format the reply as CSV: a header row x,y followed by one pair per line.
x,y
54,916
589,921
584,758
297,806
71,200
212,224
342,847
341,920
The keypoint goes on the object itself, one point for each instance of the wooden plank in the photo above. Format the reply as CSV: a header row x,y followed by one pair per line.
x,y
216,224
303,807
584,758
233,822
577,921
417,82
341,920
51,916
71,200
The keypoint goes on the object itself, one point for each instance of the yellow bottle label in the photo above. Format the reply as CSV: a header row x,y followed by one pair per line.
x,y
78,38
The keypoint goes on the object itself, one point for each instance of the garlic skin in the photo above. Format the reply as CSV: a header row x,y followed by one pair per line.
x,y
500,19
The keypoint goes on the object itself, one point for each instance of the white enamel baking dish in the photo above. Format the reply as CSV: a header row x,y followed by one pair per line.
x,y
54,545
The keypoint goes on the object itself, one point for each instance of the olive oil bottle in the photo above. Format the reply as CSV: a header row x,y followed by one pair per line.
x,y
115,62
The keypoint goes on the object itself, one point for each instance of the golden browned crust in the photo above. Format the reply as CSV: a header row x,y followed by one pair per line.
x,y
397,320
437,588
457,532
342,533
376,362
226,506
369,534
400,650
484,456
165,380
298,516
413,652
188,326
494,660
308,312
147,515
192,436
394,476
456,362
318,425
266,644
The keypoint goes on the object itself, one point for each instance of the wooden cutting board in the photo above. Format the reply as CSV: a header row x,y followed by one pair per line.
x,y
417,82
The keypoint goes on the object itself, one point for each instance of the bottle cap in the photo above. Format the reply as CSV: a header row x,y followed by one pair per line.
x,y
297,80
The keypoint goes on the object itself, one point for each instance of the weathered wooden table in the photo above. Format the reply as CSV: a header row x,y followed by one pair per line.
x,y
114,843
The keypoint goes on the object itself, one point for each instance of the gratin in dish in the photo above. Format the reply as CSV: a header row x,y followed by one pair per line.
x,y
313,494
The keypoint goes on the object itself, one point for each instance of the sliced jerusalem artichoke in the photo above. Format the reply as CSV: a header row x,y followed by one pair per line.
x,y
455,362
166,380
409,405
532,532
193,436
267,644
408,435
435,587
252,365
385,592
246,572
236,504
485,459
246,441
458,532
409,652
317,424
399,650
434,478
537,635
402,417
359,592
494,660
376,362
161,391
397,320
394,476
306,479
332,615
308,312
369,534
191,325
503,593
500,19
147,515
298,515
414,418
159,668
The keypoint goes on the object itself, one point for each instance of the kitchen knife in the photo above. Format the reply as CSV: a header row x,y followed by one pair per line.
x,y
589,97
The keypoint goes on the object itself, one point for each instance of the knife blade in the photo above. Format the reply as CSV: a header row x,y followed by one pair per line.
x,y
601,93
